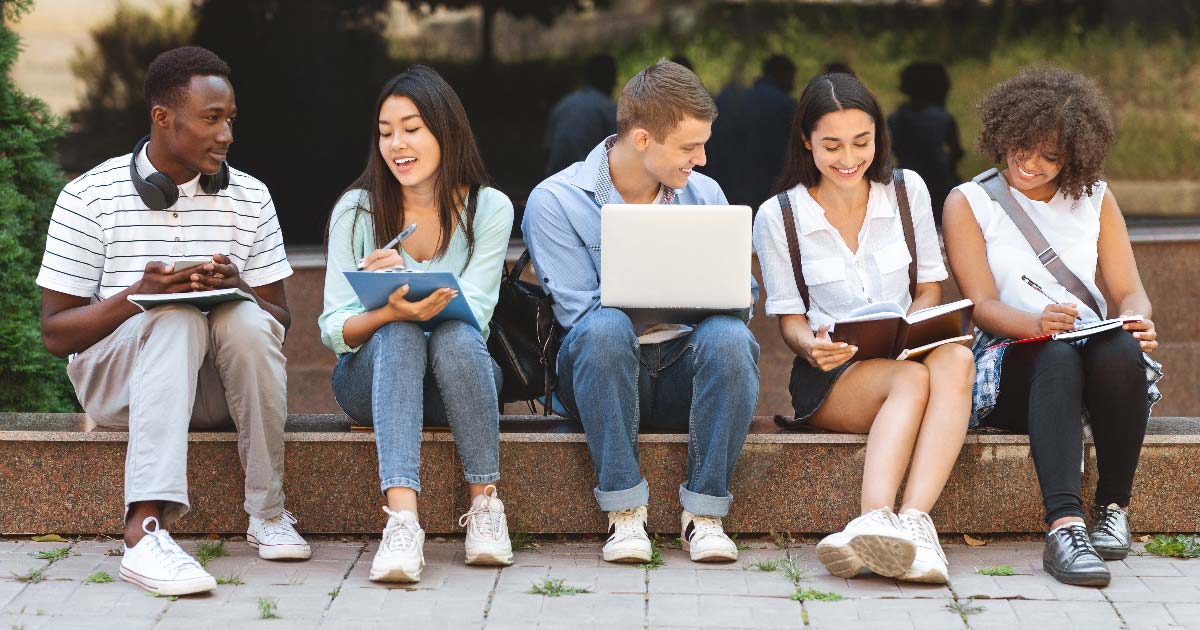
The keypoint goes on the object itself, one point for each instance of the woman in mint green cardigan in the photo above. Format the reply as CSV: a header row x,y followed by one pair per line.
x,y
423,168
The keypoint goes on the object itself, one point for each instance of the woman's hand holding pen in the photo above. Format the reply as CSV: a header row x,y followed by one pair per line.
x,y
382,259
1057,318
1143,331
826,354
400,309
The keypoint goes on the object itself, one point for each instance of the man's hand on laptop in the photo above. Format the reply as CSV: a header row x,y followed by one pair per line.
x,y
161,277
401,310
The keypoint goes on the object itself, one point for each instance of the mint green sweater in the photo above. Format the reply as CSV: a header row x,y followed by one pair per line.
x,y
350,240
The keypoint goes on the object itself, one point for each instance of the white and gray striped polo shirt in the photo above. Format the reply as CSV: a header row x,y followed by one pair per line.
x,y
102,235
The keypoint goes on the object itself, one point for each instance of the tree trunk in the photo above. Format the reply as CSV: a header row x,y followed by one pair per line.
x,y
486,52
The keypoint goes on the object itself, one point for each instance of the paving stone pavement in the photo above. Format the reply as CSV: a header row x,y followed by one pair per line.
x,y
332,591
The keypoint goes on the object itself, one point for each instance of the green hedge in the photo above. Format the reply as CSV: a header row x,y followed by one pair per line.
x,y
30,378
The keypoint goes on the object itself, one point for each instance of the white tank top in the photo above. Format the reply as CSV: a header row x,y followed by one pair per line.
x,y
1071,226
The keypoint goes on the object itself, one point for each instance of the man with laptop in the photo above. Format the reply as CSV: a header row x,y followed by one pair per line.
x,y
655,333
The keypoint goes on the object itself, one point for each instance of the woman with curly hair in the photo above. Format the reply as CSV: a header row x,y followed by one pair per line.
x,y
1052,130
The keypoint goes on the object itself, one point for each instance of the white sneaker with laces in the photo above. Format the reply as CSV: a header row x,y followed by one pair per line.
x,y
704,538
401,555
487,540
875,540
627,540
929,565
159,565
277,539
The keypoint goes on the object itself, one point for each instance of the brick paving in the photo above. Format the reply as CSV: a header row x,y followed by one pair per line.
x,y
332,591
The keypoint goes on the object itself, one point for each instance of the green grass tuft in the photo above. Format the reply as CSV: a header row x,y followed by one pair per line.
x,y
766,566
210,550
555,587
32,576
656,559
964,608
232,579
1181,546
268,608
53,555
99,577
522,541
1002,569
811,594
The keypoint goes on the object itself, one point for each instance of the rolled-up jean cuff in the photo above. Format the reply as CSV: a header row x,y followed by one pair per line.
x,y
399,482
703,504
617,500
488,478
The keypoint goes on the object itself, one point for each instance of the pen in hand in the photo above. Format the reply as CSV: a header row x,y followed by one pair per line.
x,y
405,233
1037,287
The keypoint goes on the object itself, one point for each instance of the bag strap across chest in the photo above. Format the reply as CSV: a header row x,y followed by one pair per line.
x,y
994,184
906,222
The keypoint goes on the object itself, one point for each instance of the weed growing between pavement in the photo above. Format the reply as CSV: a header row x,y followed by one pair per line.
x,y
1002,569
555,587
656,559
210,550
233,580
99,577
267,608
812,594
53,555
964,608
1180,546
522,541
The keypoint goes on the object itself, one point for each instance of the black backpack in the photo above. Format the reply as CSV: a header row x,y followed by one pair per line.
x,y
524,338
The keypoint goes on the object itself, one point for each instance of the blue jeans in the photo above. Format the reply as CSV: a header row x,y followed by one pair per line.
x,y
387,384
706,382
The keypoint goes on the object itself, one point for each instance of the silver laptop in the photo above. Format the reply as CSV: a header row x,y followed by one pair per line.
x,y
675,263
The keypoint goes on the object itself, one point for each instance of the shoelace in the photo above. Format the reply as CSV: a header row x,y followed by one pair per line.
x,y
920,526
400,536
1107,523
483,519
282,526
881,516
168,552
704,526
1077,537
627,524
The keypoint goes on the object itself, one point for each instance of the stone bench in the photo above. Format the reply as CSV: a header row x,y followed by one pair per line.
x,y
58,473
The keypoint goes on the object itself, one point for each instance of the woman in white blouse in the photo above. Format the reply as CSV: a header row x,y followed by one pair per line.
x,y
851,242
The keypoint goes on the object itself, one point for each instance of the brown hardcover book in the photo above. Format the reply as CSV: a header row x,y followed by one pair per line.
x,y
884,331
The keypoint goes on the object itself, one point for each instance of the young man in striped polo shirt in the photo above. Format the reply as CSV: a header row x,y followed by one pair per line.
x,y
116,231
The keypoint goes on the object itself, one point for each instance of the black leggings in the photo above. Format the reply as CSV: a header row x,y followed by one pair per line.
x,y
1041,388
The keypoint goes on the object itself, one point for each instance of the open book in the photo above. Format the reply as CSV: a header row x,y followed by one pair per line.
x,y
1081,332
203,300
884,331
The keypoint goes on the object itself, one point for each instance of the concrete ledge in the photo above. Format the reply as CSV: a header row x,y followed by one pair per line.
x,y
58,474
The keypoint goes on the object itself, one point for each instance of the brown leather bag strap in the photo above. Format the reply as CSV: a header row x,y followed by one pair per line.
x,y
996,187
789,226
906,222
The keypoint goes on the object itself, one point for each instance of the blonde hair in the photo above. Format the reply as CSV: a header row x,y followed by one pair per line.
x,y
659,97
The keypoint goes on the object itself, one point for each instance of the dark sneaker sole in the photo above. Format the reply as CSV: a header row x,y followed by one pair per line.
x,y
1113,553
1078,579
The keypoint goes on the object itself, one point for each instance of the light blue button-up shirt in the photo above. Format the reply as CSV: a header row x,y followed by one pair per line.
x,y
562,229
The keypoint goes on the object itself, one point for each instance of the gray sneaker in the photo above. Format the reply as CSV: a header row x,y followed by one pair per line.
x,y
1071,559
1110,532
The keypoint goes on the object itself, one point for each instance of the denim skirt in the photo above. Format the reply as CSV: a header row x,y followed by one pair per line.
x,y
809,386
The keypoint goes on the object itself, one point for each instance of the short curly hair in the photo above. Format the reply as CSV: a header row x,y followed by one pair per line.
x,y
1047,104
169,74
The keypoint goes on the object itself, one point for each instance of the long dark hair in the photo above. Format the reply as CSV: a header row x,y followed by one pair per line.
x,y
825,94
461,165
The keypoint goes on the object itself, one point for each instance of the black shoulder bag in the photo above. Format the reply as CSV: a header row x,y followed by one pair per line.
x,y
524,338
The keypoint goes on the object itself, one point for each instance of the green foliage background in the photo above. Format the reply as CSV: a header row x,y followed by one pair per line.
x,y
30,378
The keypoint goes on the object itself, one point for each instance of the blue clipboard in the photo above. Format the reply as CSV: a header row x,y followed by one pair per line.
x,y
374,287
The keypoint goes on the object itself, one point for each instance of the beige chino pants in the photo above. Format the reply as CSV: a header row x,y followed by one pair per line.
x,y
173,368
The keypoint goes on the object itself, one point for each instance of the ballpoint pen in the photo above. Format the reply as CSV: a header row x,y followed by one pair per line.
x,y
405,233
1037,287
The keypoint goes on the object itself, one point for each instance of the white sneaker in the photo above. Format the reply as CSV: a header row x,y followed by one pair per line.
x,y
705,539
875,540
401,554
929,565
276,539
627,541
159,565
487,540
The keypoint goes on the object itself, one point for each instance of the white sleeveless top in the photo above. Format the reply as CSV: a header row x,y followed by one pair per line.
x,y
1072,228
